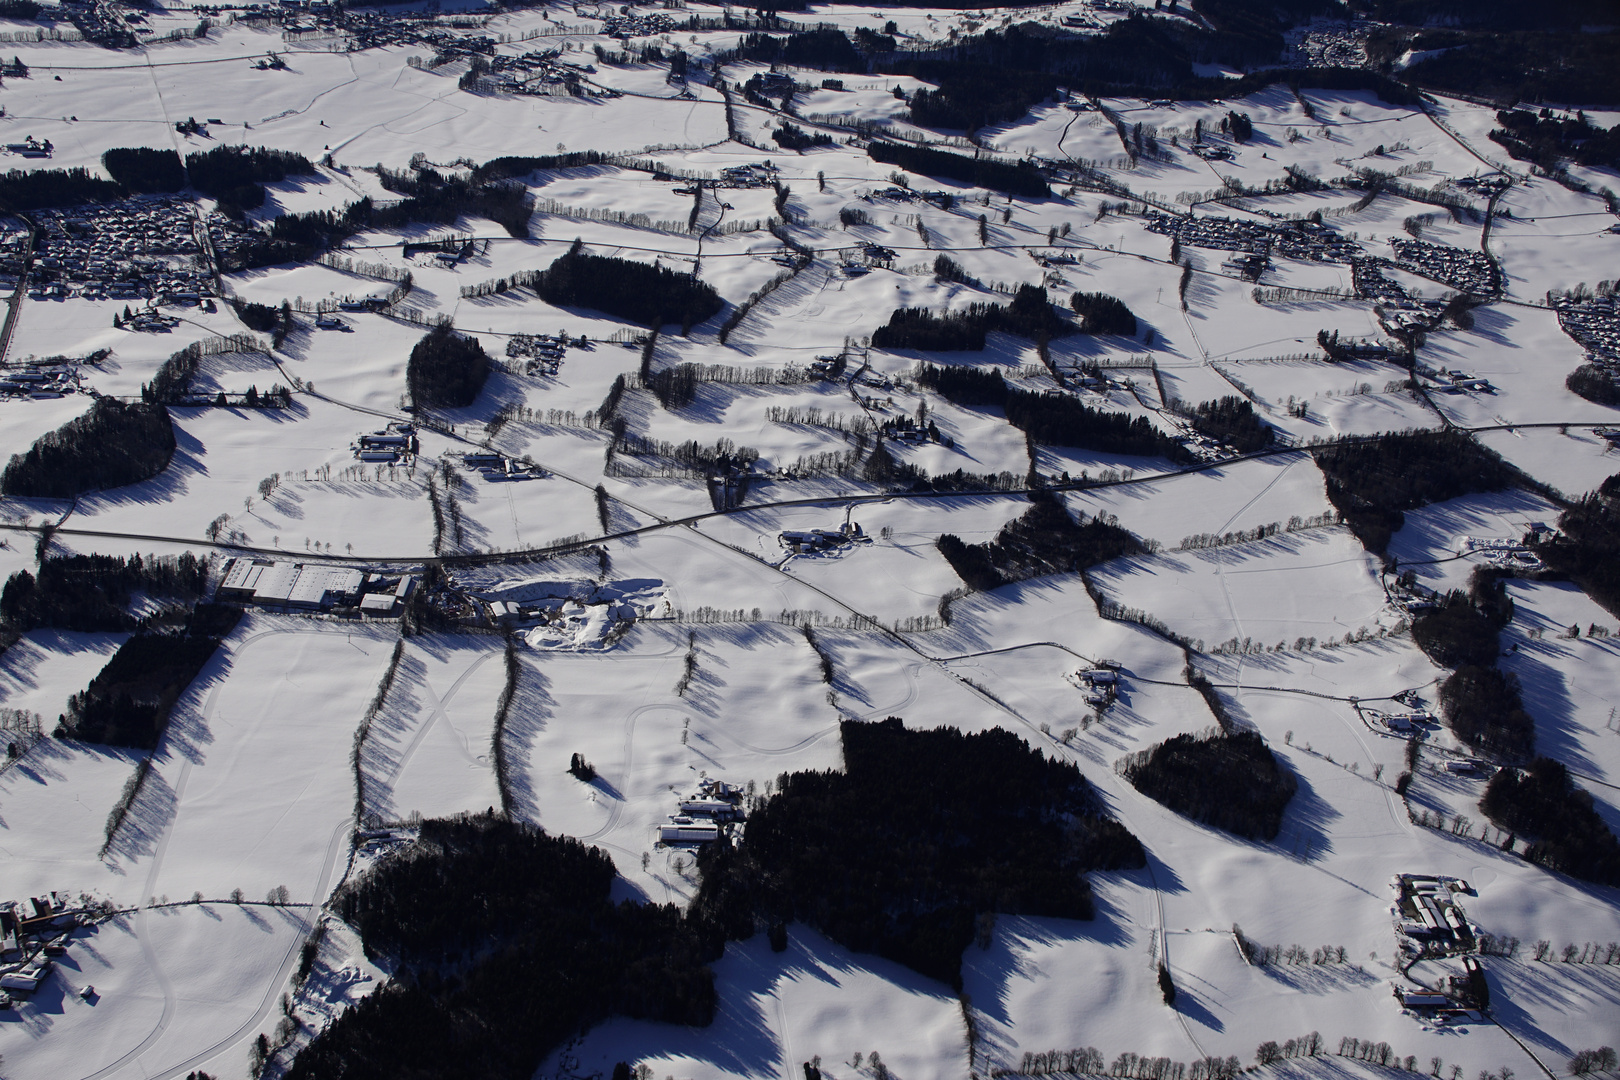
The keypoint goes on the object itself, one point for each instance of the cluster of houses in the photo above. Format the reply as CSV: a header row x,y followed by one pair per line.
x,y
498,467
40,380
1221,234
757,175
1506,552
1308,240
1466,271
542,353
135,249
809,541
1594,324
282,585
1341,45
1485,185
543,73
393,445
704,817
31,937
631,24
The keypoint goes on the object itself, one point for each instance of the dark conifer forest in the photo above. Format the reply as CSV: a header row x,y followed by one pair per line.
x,y
950,827
112,445
1054,419
509,944
1371,483
1021,178
93,592
446,370
1233,421
235,175
1103,314
1589,551
34,189
1484,708
144,171
1464,629
1044,540
639,292
1556,819
129,701
1231,782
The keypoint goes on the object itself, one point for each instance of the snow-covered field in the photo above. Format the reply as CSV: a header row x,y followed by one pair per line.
x,y
674,648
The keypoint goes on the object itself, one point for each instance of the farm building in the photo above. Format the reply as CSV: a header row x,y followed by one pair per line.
x,y
274,583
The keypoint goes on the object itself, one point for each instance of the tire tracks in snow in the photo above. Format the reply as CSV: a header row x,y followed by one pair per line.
x,y
142,929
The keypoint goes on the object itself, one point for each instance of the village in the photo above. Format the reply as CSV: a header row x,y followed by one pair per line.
x,y
146,248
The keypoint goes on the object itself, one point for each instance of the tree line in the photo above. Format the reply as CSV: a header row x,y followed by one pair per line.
x,y
1029,315
1588,551
1233,421
509,943
1464,630
234,176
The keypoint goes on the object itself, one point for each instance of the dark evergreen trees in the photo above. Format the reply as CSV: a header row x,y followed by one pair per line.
x,y
638,292
1061,420
1564,830
129,701
1594,383
235,175
1021,178
509,944
1589,550
446,370
1053,419
1463,630
825,49
971,95
922,833
924,331
793,137
1044,540
1372,483
111,445
1231,782
1103,314
93,592
1233,421
144,171
1483,707
35,189
1029,316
